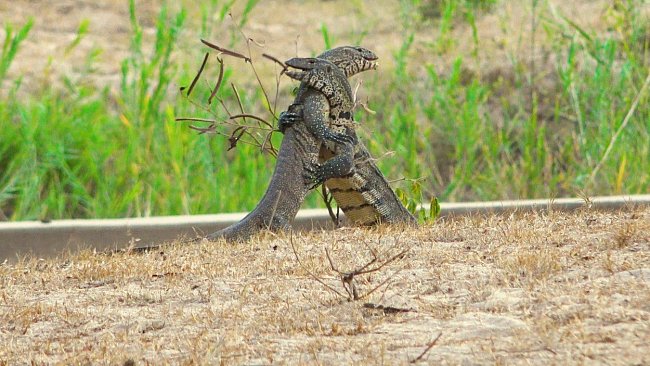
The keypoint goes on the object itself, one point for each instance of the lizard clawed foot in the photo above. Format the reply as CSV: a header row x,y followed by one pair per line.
x,y
313,175
288,119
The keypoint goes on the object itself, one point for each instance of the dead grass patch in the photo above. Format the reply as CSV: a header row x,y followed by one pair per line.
x,y
513,289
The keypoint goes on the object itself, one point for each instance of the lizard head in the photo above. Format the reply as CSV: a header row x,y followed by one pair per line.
x,y
351,59
317,67
306,63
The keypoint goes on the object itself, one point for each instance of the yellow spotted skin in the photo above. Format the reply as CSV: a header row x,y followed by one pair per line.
x,y
365,196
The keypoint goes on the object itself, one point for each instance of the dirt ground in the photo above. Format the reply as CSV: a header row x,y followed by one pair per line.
x,y
537,288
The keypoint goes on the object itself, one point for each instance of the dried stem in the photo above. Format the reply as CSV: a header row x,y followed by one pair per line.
x,y
226,51
328,199
219,80
277,79
247,115
198,74
274,59
295,253
426,350
347,278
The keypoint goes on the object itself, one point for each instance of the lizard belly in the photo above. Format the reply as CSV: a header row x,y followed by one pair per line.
x,y
365,196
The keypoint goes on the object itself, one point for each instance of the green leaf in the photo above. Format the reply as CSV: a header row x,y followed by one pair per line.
x,y
326,36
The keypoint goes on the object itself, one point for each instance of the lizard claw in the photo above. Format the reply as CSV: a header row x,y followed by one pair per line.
x,y
313,175
287,119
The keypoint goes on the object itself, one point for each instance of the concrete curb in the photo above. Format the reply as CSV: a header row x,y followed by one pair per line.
x,y
49,239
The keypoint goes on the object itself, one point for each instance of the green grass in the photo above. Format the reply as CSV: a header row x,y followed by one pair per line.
x,y
545,143
85,152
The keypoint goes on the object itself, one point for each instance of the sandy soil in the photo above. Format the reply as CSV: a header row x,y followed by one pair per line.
x,y
543,288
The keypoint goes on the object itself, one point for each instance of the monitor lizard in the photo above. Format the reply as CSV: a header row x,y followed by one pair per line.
x,y
332,129
345,165
299,148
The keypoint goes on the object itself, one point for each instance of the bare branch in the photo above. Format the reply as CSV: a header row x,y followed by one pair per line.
x,y
431,344
296,43
328,198
390,278
226,51
212,121
259,81
194,119
293,247
366,108
327,254
382,265
362,269
277,79
225,108
202,130
241,106
258,44
267,140
246,115
243,132
284,67
219,80
198,74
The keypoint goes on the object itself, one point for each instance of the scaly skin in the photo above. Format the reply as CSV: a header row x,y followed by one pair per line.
x,y
299,148
331,81
349,171
365,195
328,79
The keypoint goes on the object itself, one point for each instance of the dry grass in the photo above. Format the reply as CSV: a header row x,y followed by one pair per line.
x,y
521,289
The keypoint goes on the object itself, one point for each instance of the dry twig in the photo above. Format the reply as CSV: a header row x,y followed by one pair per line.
x,y
219,80
295,253
198,74
426,350
226,51
242,128
328,198
347,278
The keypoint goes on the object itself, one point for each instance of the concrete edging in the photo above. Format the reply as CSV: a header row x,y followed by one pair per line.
x,y
50,239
